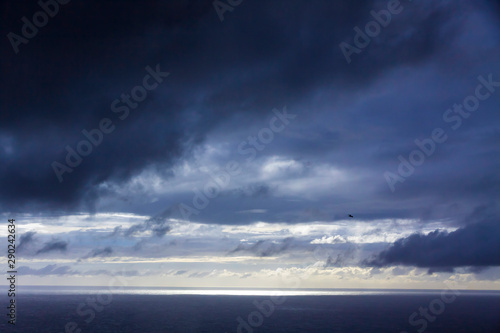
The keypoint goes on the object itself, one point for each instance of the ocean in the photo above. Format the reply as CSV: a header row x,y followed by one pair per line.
x,y
135,310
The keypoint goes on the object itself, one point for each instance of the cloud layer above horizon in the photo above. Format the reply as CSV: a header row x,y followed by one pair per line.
x,y
159,131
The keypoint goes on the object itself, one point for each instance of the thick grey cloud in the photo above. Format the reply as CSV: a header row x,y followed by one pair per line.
x,y
473,245
247,65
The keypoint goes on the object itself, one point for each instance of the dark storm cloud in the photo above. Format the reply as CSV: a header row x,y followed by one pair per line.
x,y
58,94
265,248
473,245
53,245
66,77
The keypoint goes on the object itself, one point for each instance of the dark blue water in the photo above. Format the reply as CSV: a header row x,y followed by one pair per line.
x,y
197,313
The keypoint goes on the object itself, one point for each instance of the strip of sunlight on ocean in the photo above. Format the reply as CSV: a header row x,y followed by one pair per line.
x,y
75,290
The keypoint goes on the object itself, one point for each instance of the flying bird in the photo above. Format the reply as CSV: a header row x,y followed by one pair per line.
x,y
350,215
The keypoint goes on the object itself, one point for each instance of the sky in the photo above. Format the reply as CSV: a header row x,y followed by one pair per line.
x,y
252,144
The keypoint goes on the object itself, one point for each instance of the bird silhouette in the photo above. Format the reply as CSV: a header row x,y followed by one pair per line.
x,y
350,215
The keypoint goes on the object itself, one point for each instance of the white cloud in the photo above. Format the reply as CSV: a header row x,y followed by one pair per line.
x,y
329,240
